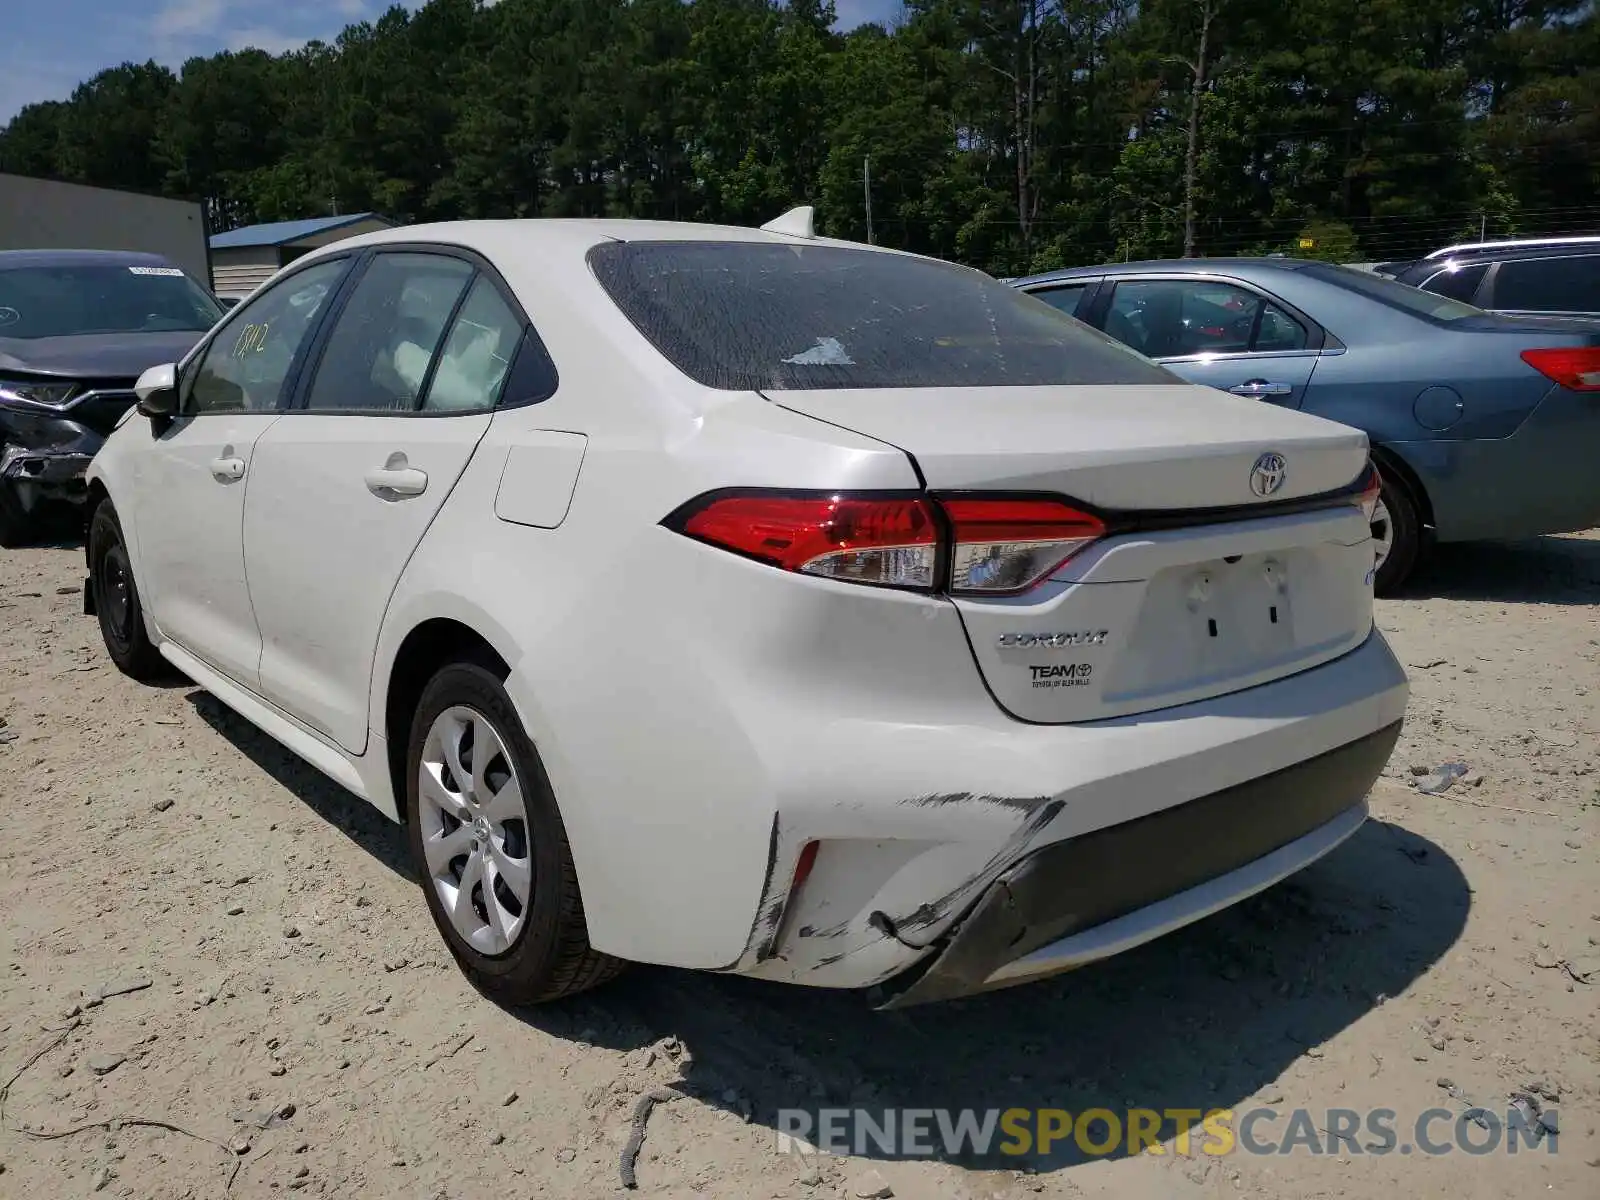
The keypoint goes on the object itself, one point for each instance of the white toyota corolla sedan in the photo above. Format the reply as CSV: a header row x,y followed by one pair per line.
x,y
746,601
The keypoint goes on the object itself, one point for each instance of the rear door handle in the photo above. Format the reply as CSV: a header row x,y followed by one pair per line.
x,y
396,481
227,470
1258,388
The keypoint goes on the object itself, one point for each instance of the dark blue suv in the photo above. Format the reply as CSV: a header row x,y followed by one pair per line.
x,y
77,328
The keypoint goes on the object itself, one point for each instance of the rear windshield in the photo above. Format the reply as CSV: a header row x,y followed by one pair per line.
x,y
65,301
750,316
1396,295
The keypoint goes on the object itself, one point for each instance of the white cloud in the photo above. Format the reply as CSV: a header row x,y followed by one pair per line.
x,y
188,18
271,40
185,27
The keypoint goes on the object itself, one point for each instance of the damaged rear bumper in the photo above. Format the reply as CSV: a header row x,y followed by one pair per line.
x,y
1086,898
1103,829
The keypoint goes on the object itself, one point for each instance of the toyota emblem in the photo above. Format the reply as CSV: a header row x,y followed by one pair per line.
x,y
1267,476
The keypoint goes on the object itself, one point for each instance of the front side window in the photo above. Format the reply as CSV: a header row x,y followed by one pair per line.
x,y
383,341
80,299
243,368
760,316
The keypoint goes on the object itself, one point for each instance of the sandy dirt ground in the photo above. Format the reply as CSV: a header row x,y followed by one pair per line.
x,y
218,977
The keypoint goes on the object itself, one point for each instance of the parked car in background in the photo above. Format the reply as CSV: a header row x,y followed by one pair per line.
x,y
689,609
1483,426
77,328
1560,277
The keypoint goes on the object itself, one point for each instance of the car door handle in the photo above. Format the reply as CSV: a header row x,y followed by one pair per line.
x,y
227,470
1258,388
396,481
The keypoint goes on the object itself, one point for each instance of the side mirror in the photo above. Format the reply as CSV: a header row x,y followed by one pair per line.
x,y
157,390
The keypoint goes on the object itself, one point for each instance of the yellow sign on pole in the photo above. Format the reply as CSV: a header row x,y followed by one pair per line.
x,y
1308,243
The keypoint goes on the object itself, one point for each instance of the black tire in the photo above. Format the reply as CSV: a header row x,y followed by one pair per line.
x,y
116,600
1405,522
14,523
550,957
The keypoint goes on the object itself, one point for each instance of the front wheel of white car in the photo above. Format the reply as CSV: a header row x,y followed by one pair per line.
x,y
116,600
13,521
490,847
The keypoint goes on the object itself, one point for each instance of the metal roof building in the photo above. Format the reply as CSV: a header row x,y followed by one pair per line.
x,y
243,259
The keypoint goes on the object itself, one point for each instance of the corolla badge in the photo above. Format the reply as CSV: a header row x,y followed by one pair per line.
x,y
1084,637
1267,476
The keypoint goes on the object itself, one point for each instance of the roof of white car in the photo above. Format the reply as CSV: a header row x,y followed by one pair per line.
x,y
520,236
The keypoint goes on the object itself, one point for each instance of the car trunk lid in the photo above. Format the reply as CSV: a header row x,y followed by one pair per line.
x,y
1234,554
1114,448
1558,328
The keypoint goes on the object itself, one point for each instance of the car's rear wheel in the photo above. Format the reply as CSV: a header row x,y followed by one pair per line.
x,y
1396,536
116,600
490,846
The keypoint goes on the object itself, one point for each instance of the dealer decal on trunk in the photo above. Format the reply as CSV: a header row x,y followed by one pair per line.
x,y
1062,675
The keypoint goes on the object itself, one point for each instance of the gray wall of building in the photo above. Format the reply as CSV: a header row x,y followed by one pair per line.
x,y
41,214
236,271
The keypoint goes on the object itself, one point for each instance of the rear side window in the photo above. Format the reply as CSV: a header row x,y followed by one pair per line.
x,y
1549,284
472,368
382,344
1459,283
762,316
1065,296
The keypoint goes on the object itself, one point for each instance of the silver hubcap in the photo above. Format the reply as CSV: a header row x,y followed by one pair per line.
x,y
1382,534
475,830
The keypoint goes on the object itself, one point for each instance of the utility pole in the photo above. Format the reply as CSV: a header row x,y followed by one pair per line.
x,y
1483,227
1208,10
866,184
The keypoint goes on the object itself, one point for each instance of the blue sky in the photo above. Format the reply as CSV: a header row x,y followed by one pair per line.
x,y
50,46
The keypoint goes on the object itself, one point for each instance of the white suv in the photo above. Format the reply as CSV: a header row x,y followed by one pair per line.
x,y
746,601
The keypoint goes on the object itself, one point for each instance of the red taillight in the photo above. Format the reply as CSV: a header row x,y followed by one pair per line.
x,y
995,545
1371,491
803,865
1008,545
892,542
1574,367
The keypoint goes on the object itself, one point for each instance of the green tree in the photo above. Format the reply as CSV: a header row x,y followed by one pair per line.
x,y
1011,134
